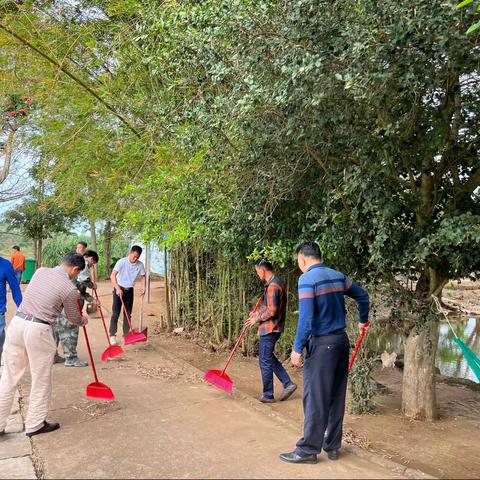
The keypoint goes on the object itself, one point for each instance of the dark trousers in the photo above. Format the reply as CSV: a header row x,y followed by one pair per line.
x,y
269,364
117,308
325,375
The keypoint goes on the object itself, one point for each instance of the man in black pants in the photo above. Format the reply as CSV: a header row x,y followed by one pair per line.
x,y
321,332
123,277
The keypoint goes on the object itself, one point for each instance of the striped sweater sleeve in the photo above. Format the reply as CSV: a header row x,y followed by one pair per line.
x,y
306,293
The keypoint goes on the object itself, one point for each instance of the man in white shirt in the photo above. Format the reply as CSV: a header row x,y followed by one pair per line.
x,y
123,277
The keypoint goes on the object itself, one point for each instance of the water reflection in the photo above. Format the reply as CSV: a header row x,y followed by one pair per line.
x,y
449,359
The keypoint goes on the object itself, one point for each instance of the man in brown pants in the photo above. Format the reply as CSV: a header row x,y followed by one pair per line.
x,y
30,342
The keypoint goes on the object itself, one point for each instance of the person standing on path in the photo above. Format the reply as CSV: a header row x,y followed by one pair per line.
x,y
81,248
90,267
30,342
270,318
321,332
66,332
123,277
17,259
7,274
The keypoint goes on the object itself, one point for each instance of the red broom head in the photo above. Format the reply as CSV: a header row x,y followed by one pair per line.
x,y
223,382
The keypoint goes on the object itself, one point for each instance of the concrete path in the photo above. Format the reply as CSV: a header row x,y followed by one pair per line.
x,y
15,448
165,422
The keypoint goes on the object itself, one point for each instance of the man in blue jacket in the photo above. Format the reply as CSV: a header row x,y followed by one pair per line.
x,y
321,332
7,274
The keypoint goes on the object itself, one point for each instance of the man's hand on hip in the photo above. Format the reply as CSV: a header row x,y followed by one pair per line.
x,y
119,292
296,359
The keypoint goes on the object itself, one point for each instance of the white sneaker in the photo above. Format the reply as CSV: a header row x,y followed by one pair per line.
x,y
113,340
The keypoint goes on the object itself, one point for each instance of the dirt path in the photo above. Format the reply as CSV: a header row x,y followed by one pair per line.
x,y
165,422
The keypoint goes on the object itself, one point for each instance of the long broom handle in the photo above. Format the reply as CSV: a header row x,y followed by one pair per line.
x,y
232,353
237,343
101,313
88,344
126,314
357,346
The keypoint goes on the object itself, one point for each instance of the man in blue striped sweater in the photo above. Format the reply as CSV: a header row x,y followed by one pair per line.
x,y
321,332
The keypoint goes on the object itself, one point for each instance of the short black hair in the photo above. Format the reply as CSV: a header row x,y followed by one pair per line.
x,y
82,243
74,259
310,249
93,254
262,263
136,248
16,247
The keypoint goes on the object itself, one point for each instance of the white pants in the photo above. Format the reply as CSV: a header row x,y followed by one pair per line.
x,y
27,343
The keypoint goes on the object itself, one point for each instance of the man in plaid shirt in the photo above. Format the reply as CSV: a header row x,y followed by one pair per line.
x,y
270,318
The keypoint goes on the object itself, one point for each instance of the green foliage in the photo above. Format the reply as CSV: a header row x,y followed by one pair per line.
x,y
476,26
38,219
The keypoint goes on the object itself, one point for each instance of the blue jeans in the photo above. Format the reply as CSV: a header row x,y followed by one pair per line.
x,y
2,333
18,274
269,364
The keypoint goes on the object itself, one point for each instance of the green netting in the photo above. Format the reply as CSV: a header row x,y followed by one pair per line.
x,y
470,357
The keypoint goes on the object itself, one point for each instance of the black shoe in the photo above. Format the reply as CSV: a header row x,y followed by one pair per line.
x,y
47,427
263,399
287,392
333,454
58,359
293,457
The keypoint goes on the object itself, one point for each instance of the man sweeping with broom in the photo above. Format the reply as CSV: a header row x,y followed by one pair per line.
x,y
30,340
270,318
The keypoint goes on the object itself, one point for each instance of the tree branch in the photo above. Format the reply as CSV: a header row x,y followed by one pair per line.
x,y
76,79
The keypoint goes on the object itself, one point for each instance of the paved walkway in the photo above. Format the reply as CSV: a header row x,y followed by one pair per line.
x,y
165,422
15,448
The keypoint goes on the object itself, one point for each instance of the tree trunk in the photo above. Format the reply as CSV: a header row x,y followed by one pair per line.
x,y
93,235
35,252
107,246
8,150
39,253
418,396
167,290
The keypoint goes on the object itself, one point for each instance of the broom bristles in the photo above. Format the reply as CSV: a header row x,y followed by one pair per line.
x,y
218,380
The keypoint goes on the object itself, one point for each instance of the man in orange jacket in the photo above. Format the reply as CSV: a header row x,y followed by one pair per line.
x,y
17,259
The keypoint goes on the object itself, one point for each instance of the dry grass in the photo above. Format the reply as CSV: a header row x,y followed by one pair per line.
x,y
97,409
156,371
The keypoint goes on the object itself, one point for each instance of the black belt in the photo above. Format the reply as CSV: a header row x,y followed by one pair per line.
x,y
335,332
30,318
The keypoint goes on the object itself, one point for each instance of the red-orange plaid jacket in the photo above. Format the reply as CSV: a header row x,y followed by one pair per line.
x,y
271,313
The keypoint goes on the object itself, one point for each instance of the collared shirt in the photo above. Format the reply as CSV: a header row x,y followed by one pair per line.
x,y
271,314
49,291
127,272
7,274
17,259
321,294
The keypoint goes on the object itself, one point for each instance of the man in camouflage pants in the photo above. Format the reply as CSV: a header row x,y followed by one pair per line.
x,y
66,332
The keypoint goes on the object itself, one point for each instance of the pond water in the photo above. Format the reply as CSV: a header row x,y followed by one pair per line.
x,y
450,359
